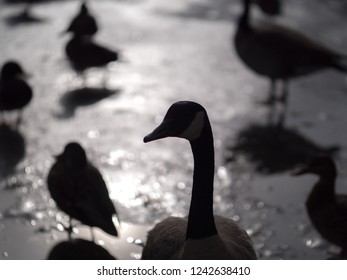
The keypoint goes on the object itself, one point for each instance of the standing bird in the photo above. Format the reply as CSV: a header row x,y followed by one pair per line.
x,y
279,53
79,190
326,209
83,23
202,235
15,93
83,53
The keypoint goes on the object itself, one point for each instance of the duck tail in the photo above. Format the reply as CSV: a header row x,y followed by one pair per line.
x,y
341,63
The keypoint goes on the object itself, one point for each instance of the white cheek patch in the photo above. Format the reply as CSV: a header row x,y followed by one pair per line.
x,y
195,128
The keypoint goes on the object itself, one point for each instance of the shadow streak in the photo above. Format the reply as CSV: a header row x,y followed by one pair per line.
x,y
12,149
274,149
86,96
23,18
79,249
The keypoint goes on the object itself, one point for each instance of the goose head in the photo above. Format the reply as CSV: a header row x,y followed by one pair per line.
x,y
322,166
73,157
12,69
184,119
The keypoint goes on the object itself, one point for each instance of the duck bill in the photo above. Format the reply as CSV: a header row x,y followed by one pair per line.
x,y
26,75
57,157
299,171
162,131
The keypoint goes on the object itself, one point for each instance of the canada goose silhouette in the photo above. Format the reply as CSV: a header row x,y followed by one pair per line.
x,y
79,190
15,93
280,53
83,23
202,235
326,209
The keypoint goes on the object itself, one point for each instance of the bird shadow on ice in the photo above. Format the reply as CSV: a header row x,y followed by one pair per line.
x,y
79,249
23,19
12,149
273,149
83,97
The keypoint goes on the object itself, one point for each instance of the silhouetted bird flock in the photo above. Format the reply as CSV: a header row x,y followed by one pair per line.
x,y
78,189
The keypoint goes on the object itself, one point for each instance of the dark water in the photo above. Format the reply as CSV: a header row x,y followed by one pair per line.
x,y
172,50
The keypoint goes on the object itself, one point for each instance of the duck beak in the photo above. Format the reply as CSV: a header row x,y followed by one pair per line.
x,y
162,131
26,75
299,171
57,157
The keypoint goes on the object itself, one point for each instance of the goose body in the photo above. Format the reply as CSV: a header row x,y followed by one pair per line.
x,y
326,209
280,53
15,92
201,235
83,23
79,190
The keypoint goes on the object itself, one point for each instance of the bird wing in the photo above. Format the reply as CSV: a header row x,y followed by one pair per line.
x,y
98,191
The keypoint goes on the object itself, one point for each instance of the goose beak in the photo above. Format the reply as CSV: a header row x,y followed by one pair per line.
x,y
162,131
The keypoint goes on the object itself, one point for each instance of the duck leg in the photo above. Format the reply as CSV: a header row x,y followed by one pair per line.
x,y
92,234
19,119
284,95
84,78
283,100
272,93
70,229
105,78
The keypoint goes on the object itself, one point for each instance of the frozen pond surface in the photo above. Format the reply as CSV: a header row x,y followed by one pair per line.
x,y
171,50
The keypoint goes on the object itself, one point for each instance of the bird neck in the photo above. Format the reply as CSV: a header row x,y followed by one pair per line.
x,y
323,191
244,19
200,219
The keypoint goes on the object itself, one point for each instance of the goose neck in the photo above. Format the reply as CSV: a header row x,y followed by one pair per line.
x,y
200,219
244,19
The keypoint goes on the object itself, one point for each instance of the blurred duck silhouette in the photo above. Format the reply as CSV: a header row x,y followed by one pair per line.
x,y
79,249
83,23
82,52
25,15
280,53
15,93
327,210
202,235
79,190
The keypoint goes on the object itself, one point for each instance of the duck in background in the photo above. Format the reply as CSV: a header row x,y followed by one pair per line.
x,y
15,92
280,53
83,23
79,190
326,209
202,235
83,53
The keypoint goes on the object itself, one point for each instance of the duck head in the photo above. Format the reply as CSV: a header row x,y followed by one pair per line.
x,y
270,7
184,119
12,69
84,9
321,166
74,156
